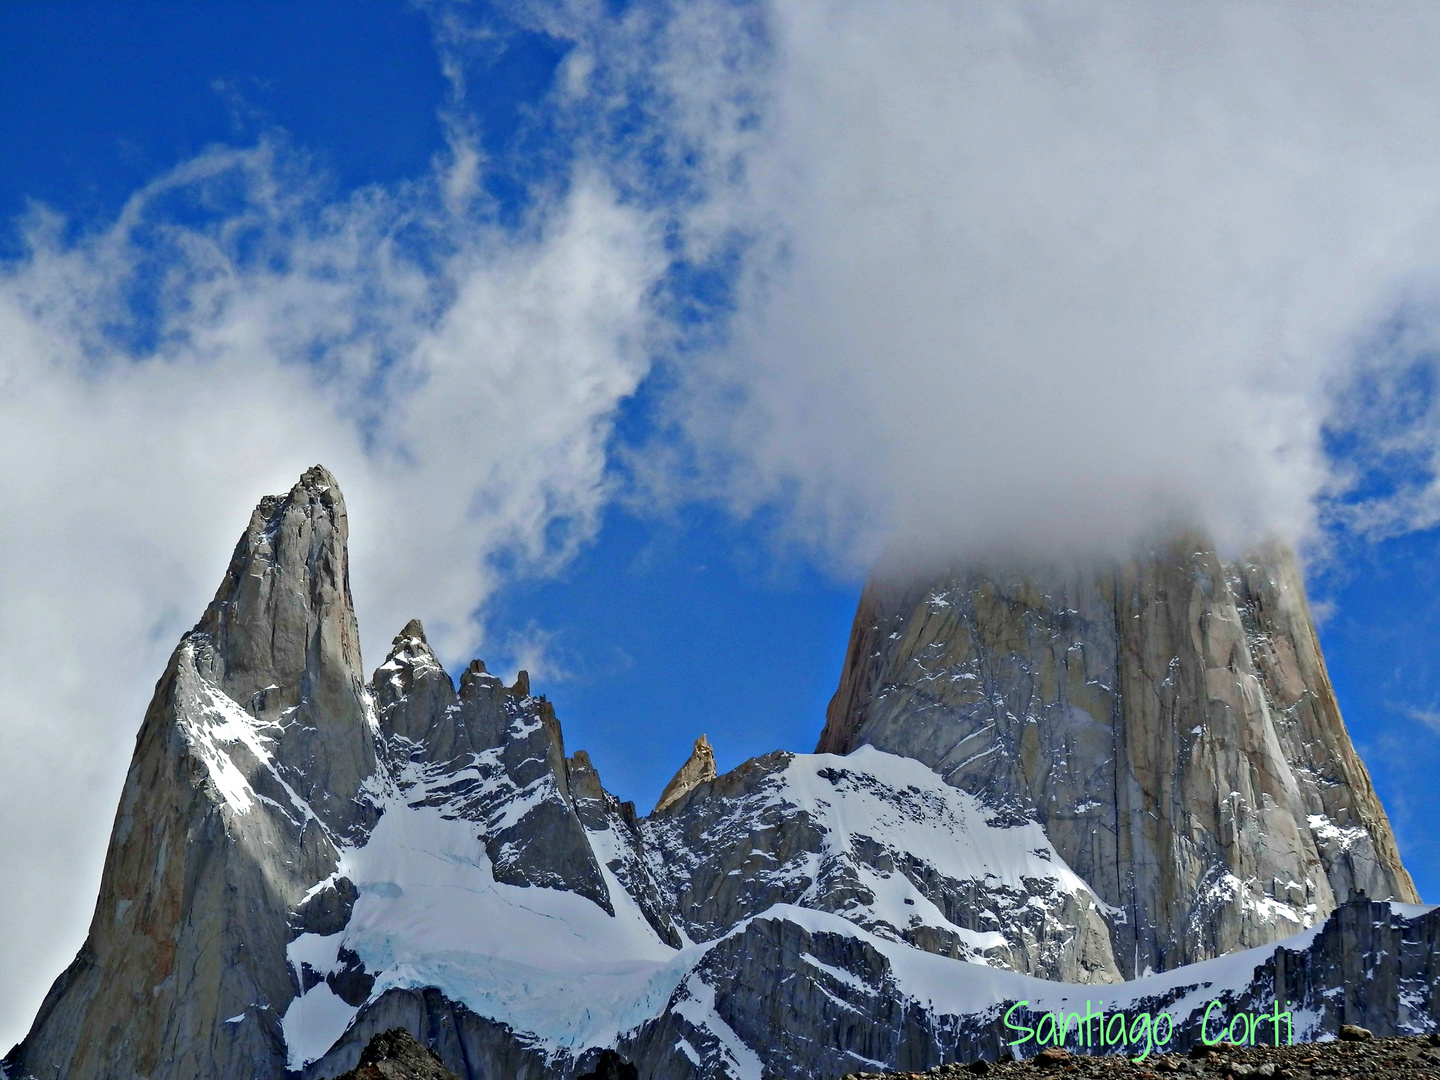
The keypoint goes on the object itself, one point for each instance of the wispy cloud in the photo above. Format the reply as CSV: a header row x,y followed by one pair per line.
x,y
1430,717
535,650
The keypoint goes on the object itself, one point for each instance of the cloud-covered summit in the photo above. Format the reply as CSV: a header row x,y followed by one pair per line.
x,y
1050,274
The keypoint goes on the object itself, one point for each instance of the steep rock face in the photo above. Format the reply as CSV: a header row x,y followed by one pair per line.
x,y
698,769
499,869
615,835
1169,722
280,639
250,763
491,754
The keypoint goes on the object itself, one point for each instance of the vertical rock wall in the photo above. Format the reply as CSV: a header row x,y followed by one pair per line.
x,y
248,769
1169,721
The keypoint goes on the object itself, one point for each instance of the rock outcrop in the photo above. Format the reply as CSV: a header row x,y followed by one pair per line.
x,y
303,861
1169,722
249,771
491,754
395,1055
698,769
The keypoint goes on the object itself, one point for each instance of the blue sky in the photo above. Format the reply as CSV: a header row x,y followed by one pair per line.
x,y
635,331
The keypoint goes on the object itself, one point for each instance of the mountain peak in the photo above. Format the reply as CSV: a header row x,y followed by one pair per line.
x,y
698,769
1165,719
248,778
289,573
281,640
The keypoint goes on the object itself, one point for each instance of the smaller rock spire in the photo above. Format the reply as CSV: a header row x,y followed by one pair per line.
x,y
697,770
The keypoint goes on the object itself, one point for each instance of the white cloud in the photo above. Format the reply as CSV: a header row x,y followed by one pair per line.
x,y
1046,274
464,407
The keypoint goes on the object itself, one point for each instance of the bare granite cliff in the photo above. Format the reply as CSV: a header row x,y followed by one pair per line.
x,y
699,768
248,769
1168,721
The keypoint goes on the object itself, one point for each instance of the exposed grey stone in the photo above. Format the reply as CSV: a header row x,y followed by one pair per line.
x,y
478,754
698,769
325,911
280,639
257,721
737,845
601,812
843,988
1169,721
352,983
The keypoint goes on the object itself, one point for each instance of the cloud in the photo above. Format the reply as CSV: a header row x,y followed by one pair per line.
x,y
239,322
534,650
1428,716
1036,275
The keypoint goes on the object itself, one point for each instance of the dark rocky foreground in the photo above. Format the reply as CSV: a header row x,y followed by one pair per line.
x,y
1416,1056
395,1055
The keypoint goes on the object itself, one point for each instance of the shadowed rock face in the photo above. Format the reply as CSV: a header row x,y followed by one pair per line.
x,y
1169,722
481,752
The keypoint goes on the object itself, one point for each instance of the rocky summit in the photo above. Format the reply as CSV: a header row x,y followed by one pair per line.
x,y
1035,793
395,1055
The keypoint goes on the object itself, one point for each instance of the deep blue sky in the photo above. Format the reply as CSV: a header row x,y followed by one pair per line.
x,y
1381,645
665,627
100,98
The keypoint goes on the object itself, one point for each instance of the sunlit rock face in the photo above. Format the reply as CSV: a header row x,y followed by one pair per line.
x,y
303,859
698,768
1169,722
252,771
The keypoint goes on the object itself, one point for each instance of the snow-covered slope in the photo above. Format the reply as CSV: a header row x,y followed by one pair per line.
x,y
871,838
882,842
